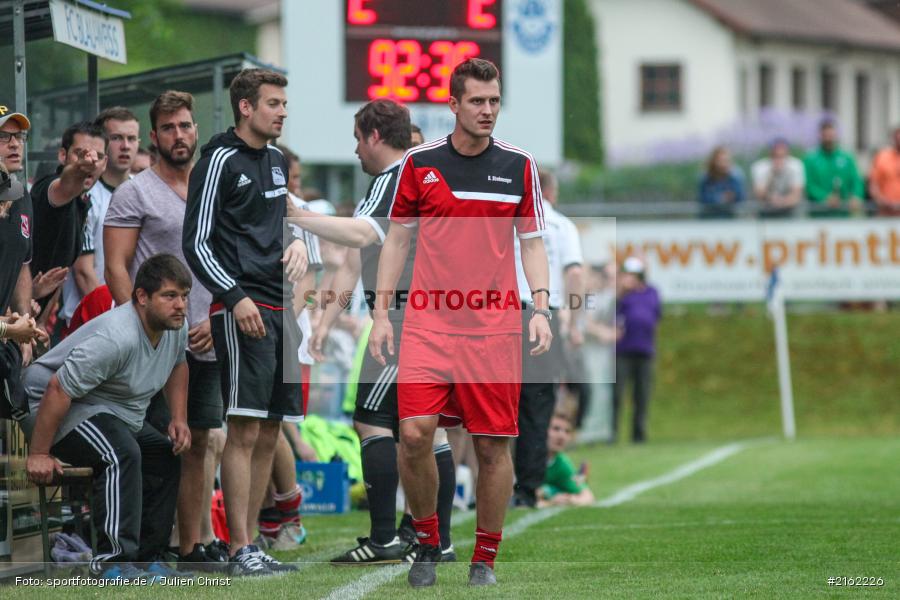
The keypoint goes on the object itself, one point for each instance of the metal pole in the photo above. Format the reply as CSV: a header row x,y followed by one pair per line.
x,y
93,88
19,61
218,89
784,367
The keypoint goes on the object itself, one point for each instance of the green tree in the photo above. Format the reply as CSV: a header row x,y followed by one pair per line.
x,y
161,33
581,85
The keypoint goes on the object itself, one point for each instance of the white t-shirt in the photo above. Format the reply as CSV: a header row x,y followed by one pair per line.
x,y
782,182
100,194
314,256
562,242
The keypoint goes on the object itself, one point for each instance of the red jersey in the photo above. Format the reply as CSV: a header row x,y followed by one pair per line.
x,y
467,210
91,306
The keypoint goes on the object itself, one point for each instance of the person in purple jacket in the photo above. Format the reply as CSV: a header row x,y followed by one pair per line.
x,y
638,312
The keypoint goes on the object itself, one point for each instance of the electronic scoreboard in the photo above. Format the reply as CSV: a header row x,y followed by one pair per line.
x,y
406,50
340,54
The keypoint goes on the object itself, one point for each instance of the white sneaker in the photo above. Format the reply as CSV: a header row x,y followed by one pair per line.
x,y
290,537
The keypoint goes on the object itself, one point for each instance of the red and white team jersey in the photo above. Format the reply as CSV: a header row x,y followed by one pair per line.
x,y
466,209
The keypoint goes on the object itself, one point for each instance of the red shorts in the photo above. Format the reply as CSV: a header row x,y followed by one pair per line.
x,y
473,380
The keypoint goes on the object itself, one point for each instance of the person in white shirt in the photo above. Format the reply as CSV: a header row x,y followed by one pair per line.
x,y
539,376
778,181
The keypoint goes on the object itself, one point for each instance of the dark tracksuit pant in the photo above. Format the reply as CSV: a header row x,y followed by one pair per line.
x,y
537,399
135,486
637,369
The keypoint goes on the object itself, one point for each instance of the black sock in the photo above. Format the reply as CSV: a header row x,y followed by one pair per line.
x,y
446,490
379,465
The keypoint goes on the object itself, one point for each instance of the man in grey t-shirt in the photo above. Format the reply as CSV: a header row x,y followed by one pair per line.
x,y
145,217
88,397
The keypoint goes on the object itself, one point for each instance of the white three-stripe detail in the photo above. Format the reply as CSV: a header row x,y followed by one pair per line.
x,y
371,202
101,445
378,395
233,350
204,226
536,196
384,380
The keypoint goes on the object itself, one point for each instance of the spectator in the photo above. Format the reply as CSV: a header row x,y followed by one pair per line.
x,y
721,187
88,398
884,179
142,161
61,200
145,218
563,486
540,374
122,130
417,136
637,315
599,350
833,183
778,181
14,128
280,526
16,332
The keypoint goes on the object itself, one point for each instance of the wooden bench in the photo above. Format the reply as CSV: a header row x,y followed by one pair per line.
x,y
71,476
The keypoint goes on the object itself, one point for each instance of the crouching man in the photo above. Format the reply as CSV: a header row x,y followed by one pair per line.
x,y
88,397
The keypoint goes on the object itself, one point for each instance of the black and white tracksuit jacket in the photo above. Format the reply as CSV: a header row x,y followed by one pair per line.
x,y
234,224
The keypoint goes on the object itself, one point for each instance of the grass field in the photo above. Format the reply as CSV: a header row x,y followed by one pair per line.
x,y
716,375
761,519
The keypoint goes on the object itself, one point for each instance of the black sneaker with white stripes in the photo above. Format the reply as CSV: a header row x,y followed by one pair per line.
x,y
370,553
247,562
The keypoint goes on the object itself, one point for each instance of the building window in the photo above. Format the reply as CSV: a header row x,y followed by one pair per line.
x,y
798,88
862,111
766,91
828,80
661,87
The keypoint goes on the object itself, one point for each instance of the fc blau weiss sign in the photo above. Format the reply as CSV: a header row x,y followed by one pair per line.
x,y
94,32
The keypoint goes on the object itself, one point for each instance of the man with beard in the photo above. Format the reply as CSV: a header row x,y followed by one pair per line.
x,y
234,239
145,218
122,130
88,398
383,133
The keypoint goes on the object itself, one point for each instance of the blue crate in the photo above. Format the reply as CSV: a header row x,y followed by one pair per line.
x,y
325,487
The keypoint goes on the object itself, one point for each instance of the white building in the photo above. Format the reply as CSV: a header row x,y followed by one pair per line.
x,y
678,76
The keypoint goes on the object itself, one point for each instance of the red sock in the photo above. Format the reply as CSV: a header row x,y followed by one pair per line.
x,y
288,505
427,530
486,546
269,522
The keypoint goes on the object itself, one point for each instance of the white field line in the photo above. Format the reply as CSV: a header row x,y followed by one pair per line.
x,y
632,491
375,579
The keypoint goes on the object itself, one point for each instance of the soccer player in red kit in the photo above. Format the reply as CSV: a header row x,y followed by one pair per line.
x,y
466,195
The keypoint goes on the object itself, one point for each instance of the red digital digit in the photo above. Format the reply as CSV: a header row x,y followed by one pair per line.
x,y
407,69
442,51
447,56
463,51
477,18
383,65
358,14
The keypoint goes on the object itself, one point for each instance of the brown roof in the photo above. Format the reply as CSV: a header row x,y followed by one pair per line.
x,y
841,22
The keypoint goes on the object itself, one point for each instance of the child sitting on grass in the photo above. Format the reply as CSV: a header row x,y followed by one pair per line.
x,y
562,484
